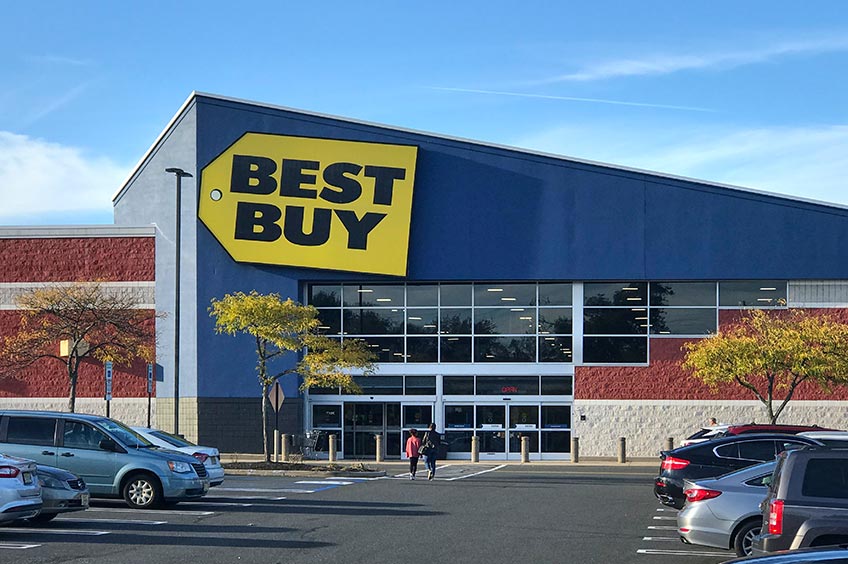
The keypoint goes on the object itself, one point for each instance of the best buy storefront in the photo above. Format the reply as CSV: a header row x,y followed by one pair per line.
x,y
505,292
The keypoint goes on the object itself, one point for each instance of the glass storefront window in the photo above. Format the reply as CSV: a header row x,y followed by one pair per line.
x,y
325,296
504,294
456,349
491,416
455,295
556,320
515,441
554,294
683,294
683,321
619,293
752,293
387,349
458,441
556,441
372,295
504,321
327,416
422,349
458,385
523,416
504,349
380,385
556,416
555,349
615,321
417,416
422,321
331,321
422,295
375,321
615,350
459,416
513,385
420,385
492,441
556,385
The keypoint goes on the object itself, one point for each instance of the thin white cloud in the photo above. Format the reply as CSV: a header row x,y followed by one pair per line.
x,y
661,64
54,105
39,178
572,99
806,162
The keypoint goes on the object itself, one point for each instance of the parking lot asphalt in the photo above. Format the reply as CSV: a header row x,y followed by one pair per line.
x,y
488,513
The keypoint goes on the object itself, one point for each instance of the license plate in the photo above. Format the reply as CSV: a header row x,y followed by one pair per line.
x,y
84,499
27,478
205,486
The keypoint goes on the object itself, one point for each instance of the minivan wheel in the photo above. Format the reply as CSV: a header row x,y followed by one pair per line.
x,y
142,491
745,537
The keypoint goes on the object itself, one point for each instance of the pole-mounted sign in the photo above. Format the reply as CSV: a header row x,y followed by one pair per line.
x,y
108,367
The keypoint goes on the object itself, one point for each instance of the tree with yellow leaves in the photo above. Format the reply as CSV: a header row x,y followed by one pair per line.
x,y
771,354
279,327
95,321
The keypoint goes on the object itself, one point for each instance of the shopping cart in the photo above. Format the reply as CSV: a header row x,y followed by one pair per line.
x,y
306,446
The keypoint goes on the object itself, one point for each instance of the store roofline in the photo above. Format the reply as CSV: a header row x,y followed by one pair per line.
x,y
75,231
195,94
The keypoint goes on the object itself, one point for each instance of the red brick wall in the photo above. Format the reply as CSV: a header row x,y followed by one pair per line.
x,y
665,379
74,259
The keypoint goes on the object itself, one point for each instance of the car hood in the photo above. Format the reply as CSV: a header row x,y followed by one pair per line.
x,y
57,473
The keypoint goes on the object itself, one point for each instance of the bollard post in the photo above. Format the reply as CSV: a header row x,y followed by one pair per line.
x,y
669,443
575,450
622,450
475,449
276,445
525,449
379,439
286,447
332,448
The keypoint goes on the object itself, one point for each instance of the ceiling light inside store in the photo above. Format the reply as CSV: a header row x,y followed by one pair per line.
x,y
414,318
634,299
384,299
517,309
768,289
631,289
508,299
638,309
365,291
494,289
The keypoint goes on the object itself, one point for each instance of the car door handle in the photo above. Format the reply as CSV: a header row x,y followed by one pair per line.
x,y
67,454
47,453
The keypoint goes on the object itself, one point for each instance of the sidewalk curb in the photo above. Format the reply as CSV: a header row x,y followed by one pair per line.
x,y
307,473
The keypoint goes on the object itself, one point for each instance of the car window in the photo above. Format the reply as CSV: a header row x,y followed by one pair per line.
x,y
789,445
124,434
728,451
759,481
826,477
757,450
31,430
82,435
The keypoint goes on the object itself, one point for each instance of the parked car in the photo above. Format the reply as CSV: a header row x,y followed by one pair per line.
x,y
716,457
705,434
20,494
767,428
112,459
831,554
61,492
209,456
807,501
725,512
828,438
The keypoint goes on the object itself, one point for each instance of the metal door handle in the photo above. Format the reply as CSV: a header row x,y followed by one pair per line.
x,y
67,454
47,452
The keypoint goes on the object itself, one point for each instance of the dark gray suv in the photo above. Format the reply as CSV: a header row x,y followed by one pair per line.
x,y
807,501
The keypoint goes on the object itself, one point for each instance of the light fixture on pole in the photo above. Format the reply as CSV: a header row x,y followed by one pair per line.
x,y
180,174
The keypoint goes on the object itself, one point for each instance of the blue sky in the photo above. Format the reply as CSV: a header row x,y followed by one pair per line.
x,y
747,93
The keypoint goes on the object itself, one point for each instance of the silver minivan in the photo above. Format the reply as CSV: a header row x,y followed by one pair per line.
x,y
112,459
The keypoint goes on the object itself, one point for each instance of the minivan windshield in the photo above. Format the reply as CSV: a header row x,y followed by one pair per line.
x,y
124,434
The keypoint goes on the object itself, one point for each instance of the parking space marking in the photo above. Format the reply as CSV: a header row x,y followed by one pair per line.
x,y
120,521
16,546
661,528
664,518
149,511
661,539
680,552
45,531
331,482
252,498
476,473
226,504
266,490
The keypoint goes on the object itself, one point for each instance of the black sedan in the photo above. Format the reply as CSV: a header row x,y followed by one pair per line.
x,y
715,458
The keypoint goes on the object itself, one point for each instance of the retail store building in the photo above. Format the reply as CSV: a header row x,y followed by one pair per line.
x,y
505,292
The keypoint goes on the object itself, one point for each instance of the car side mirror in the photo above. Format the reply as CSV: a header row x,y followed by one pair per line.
x,y
109,444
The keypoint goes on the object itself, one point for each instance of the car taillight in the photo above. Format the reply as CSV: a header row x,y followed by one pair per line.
x,y
672,463
775,522
698,494
200,456
9,472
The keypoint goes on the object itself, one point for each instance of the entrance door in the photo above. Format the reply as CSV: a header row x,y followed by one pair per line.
x,y
523,422
363,421
491,425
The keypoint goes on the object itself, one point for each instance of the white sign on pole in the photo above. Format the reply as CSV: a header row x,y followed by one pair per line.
x,y
108,366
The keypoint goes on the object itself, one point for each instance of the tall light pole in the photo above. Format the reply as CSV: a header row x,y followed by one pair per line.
x,y
179,174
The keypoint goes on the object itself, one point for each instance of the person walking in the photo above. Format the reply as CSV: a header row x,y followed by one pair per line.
x,y
431,443
413,443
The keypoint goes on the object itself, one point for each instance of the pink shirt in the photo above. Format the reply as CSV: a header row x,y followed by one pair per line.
x,y
412,446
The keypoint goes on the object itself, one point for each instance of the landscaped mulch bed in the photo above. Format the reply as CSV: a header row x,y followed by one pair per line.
x,y
356,467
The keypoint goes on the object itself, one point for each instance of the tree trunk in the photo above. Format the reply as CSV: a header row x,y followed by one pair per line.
x,y
265,423
72,385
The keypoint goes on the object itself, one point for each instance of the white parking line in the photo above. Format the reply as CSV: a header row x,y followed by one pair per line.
x,y
15,546
120,521
149,511
661,539
681,552
226,504
42,531
667,509
324,482
264,490
246,497
661,528
476,473
664,518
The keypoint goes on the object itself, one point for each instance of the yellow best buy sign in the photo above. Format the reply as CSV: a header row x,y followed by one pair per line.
x,y
319,203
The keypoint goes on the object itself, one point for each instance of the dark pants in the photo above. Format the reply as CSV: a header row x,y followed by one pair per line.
x,y
413,465
430,460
